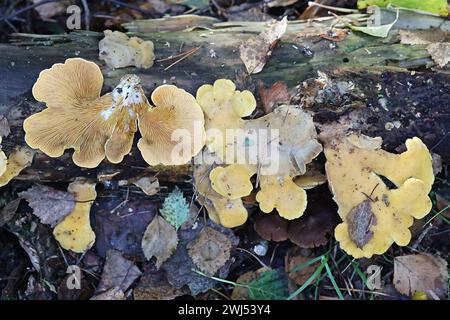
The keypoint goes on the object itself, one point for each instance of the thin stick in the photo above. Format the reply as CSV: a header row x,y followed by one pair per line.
x,y
254,256
338,9
182,58
175,56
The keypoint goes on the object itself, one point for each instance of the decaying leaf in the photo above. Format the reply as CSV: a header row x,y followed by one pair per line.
x,y
49,204
153,285
180,267
241,293
160,240
421,273
440,52
119,51
210,250
360,219
123,230
263,284
74,232
175,209
117,272
293,260
111,294
256,51
149,185
275,95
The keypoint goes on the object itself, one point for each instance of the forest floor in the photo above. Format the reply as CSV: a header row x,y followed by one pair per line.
x,y
34,266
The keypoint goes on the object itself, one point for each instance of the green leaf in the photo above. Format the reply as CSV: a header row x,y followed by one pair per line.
x,y
377,31
270,285
433,6
175,209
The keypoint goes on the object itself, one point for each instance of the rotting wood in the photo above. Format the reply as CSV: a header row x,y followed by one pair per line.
x,y
418,100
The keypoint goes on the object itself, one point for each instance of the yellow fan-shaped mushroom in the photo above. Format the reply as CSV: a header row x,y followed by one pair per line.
x,y
277,147
373,215
104,126
74,232
173,130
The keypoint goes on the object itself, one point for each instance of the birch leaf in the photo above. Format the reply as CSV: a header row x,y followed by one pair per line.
x,y
160,240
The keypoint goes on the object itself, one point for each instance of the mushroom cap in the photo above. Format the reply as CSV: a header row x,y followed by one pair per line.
x,y
173,130
19,159
74,232
77,117
223,107
229,213
67,83
283,194
373,215
233,181
119,51
271,227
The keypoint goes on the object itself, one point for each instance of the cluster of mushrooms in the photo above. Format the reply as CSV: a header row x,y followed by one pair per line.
x,y
373,215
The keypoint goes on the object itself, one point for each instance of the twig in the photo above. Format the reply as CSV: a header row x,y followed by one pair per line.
x,y
254,256
190,53
337,9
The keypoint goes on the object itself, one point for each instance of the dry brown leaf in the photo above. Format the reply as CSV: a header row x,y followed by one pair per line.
x,y
149,185
117,272
160,240
49,205
440,52
421,273
153,285
112,294
241,293
256,51
273,96
295,258
210,251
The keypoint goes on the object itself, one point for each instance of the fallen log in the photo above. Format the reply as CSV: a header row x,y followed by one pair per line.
x,y
393,81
